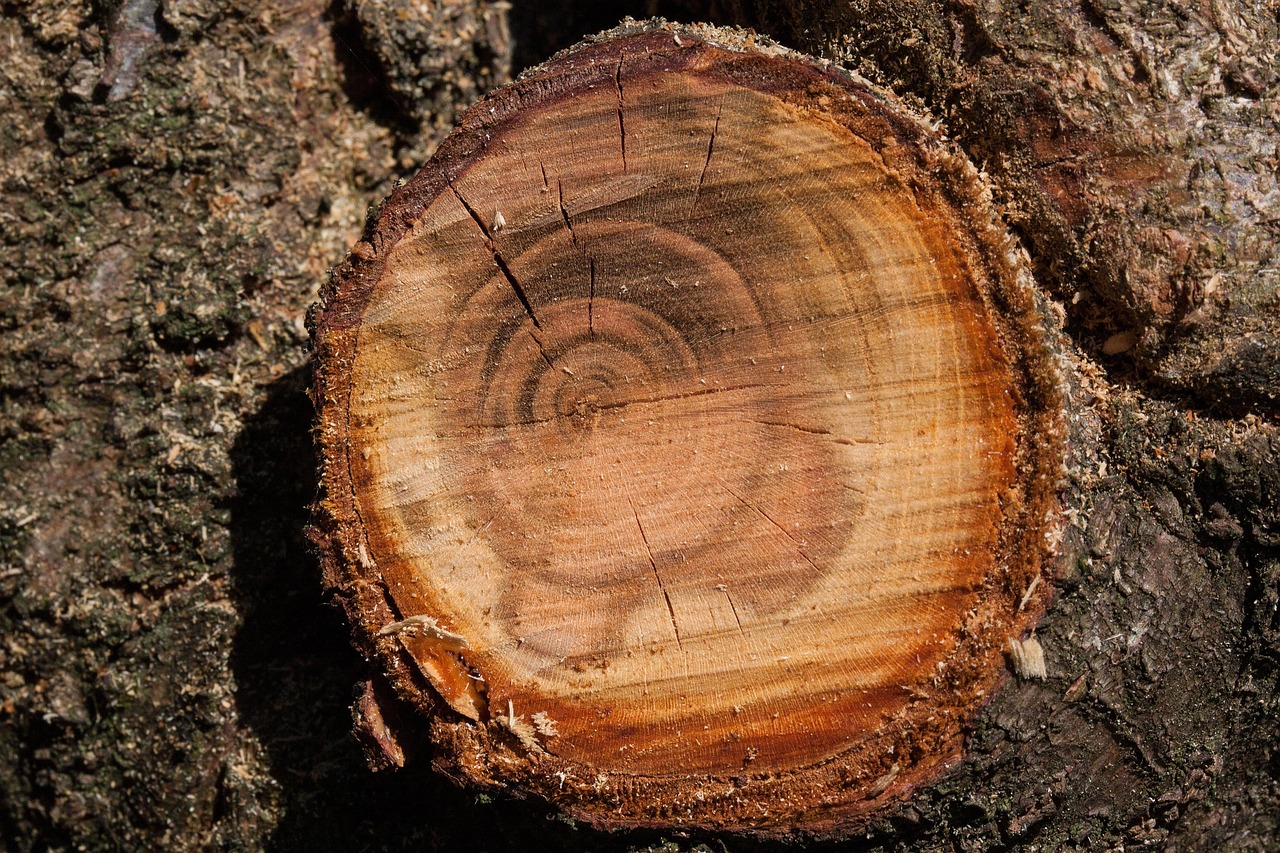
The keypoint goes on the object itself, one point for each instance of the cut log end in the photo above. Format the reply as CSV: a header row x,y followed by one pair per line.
x,y
690,440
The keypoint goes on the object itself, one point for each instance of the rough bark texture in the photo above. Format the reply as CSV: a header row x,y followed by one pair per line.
x,y
177,178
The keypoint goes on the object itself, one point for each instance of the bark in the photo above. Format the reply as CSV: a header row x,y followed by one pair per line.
x,y
179,176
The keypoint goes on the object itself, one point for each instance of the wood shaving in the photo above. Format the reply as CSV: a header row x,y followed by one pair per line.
x,y
1027,657
525,732
544,724
422,624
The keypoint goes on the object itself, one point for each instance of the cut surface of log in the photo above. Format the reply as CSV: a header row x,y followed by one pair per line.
x,y
689,439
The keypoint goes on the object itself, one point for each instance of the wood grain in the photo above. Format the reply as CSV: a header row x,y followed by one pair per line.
x,y
690,416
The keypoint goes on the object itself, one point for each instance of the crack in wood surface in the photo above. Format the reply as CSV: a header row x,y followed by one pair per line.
x,y
835,439
620,404
591,261
622,126
653,564
799,548
506,272
734,608
786,425
711,144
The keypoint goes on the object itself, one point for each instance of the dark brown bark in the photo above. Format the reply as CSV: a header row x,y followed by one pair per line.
x,y
177,178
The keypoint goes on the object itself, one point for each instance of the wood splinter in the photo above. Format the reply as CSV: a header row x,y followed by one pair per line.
x,y
696,385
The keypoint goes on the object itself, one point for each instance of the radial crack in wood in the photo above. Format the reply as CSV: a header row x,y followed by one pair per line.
x,y
725,451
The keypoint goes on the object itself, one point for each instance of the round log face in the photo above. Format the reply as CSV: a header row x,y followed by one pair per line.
x,y
699,436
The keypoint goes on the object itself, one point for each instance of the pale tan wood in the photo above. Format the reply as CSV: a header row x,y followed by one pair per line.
x,y
686,426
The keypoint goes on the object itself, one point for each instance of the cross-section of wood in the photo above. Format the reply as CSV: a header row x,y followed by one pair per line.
x,y
689,440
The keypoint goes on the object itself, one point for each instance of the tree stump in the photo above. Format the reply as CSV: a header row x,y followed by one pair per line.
x,y
690,440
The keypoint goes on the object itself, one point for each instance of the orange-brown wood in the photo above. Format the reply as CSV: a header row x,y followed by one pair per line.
x,y
689,440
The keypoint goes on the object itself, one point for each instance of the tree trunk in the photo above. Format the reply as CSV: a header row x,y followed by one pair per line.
x,y
179,176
